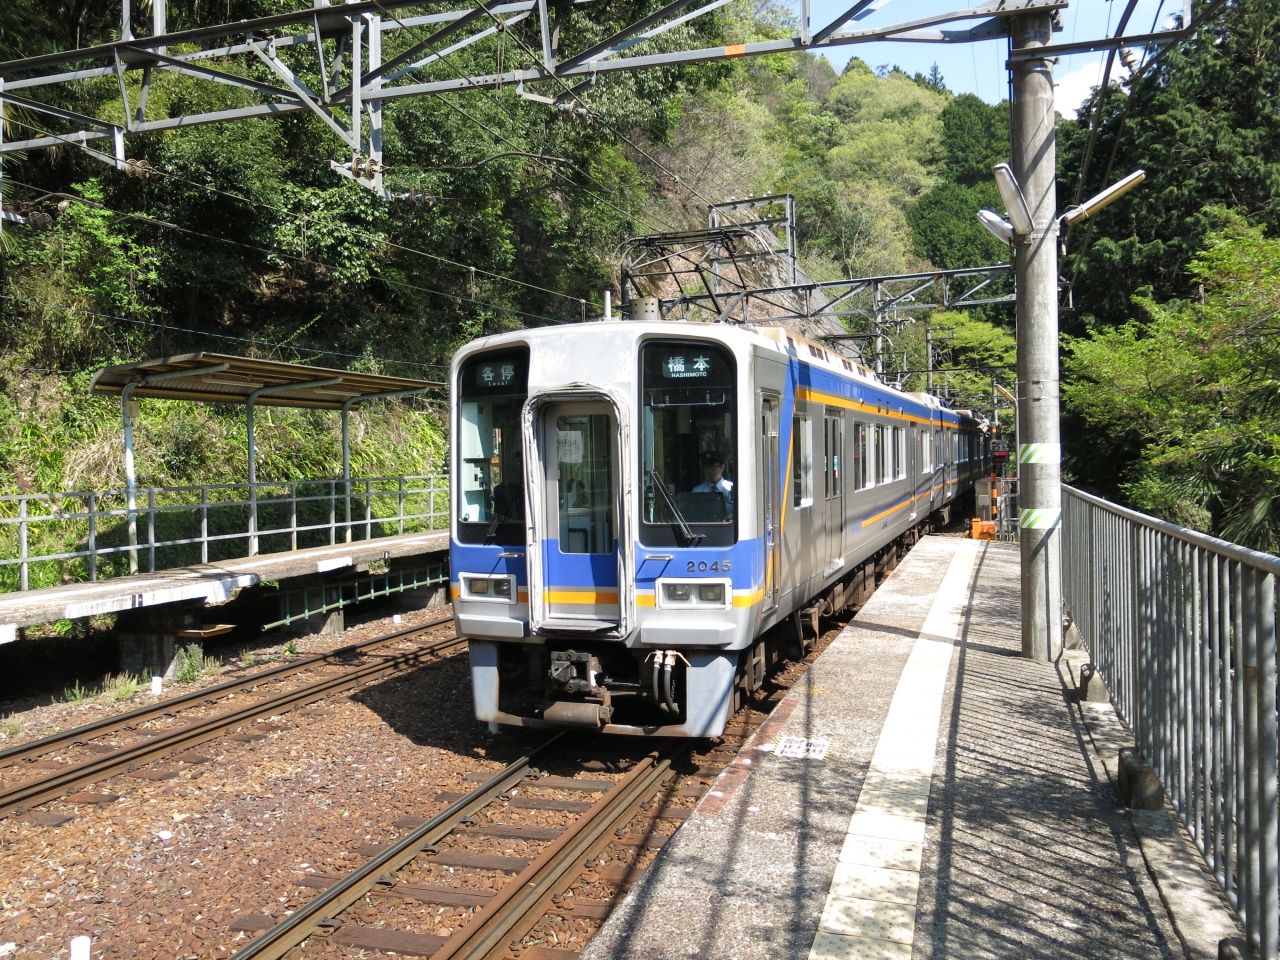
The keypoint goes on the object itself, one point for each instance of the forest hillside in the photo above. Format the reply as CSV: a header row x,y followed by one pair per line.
x,y
243,241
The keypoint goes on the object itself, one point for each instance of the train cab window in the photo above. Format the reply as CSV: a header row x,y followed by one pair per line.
x,y
801,462
688,443
491,392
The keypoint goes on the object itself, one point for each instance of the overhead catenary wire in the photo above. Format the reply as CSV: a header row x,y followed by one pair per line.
x,y
442,58
569,90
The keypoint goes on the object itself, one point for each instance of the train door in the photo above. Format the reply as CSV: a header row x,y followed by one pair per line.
x,y
579,516
770,488
833,456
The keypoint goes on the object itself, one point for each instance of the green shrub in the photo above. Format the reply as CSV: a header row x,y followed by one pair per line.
x,y
190,664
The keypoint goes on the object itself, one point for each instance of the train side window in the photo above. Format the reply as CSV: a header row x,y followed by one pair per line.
x,y
926,451
859,455
882,451
897,453
801,461
869,455
833,446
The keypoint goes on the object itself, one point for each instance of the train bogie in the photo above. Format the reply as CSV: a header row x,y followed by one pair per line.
x,y
638,505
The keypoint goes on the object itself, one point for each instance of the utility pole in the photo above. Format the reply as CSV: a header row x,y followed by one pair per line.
x,y
1036,269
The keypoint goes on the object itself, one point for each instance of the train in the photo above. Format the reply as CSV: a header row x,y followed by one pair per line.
x,y
647,515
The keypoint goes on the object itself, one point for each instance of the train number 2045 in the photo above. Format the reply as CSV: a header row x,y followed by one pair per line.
x,y
701,566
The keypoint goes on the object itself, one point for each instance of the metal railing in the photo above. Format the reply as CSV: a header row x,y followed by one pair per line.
x,y
1006,496
53,538
1182,628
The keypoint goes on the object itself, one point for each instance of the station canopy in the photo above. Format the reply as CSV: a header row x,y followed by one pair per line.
x,y
223,378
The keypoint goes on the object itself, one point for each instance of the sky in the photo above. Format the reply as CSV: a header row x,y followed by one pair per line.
x,y
980,67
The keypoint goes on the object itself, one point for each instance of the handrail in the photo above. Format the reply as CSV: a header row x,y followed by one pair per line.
x,y
1256,558
1181,627
73,535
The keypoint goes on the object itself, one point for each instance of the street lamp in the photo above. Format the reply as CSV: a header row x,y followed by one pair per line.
x,y
1020,224
996,225
1014,201
1095,203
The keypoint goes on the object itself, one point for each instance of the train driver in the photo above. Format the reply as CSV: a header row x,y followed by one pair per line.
x,y
713,479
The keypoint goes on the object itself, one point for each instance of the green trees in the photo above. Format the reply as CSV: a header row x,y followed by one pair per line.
x,y
1205,125
1197,389
944,224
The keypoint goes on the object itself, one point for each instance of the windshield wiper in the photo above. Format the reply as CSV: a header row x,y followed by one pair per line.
x,y
691,539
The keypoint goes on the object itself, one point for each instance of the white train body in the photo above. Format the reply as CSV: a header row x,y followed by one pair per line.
x,y
636,505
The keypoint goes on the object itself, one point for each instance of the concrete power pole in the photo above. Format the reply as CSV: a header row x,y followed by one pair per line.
x,y
1036,270
1040,496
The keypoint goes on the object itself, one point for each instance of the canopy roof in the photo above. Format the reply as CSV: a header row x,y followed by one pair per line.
x,y
222,378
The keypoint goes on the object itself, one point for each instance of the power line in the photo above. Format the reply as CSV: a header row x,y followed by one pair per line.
x,y
305,218
206,333
1205,15
280,253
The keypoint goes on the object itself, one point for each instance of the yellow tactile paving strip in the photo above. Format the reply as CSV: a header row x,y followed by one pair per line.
x,y
870,913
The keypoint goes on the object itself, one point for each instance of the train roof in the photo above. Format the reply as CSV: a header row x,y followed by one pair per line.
x,y
784,341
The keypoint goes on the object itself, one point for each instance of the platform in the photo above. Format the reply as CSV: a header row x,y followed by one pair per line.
x,y
209,582
950,804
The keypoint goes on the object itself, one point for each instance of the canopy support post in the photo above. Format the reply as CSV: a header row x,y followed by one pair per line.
x,y
253,453
130,477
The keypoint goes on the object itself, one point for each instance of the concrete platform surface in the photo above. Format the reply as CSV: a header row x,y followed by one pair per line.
x,y
956,810
210,582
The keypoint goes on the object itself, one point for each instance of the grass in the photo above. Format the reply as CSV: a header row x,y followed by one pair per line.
x,y
76,694
10,727
122,686
290,649
190,664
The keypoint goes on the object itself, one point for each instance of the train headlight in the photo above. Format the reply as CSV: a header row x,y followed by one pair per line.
x,y
478,585
694,594
711,593
502,588
677,592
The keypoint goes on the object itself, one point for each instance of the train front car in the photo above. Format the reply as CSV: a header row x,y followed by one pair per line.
x,y
601,564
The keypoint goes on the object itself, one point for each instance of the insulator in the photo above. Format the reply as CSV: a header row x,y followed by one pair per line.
x,y
64,206
371,169
40,221
357,166
137,168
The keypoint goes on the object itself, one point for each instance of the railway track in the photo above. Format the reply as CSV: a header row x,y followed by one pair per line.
x,y
500,919
581,871
173,742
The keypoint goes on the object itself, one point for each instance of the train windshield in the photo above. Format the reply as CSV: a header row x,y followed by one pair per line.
x,y
689,467
492,389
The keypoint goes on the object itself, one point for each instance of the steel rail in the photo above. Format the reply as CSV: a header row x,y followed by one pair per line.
x,y
523,900
306,921
20,798
124,721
